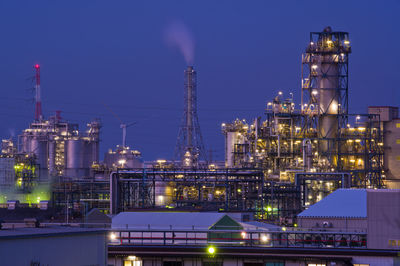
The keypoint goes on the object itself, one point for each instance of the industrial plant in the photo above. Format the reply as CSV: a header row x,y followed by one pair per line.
x,y
303,183
276,165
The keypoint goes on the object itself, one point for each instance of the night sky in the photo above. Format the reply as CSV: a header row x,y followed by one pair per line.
x,y
115,52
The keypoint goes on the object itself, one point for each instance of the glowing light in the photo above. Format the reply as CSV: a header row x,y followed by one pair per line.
x,y
269,209
314,67
37,66
314,92
284,229
243,234
346,42
211,250
131,257
264,238
113,236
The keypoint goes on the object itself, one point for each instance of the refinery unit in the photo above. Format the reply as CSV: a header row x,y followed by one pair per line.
x,y
275,165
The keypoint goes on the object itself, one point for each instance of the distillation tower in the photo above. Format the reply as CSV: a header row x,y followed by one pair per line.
x,y
319,137
190,148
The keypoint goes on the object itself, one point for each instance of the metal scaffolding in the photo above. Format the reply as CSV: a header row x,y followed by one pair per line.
x,y
228,190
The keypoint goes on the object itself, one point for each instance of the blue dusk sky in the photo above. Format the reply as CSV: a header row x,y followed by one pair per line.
x,y
116,52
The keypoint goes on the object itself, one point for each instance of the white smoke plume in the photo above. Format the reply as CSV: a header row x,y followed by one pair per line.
x,y
176,34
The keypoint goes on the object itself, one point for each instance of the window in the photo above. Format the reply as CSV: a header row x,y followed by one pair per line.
x,y
397,141
313,264
398,125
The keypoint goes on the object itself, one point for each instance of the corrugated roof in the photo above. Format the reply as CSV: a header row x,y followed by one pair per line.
x,y
166,220
340,203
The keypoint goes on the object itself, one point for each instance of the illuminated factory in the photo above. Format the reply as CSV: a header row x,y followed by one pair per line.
x,y
291,159
274,167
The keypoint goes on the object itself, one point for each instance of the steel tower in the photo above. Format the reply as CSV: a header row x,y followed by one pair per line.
x,y
325,84
190,148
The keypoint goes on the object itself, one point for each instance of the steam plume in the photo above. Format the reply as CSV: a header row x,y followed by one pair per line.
x,y
178,35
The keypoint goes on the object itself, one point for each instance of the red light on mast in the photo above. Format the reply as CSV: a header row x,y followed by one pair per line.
x,y
37,66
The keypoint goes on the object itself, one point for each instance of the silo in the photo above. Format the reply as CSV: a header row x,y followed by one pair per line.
x,y
74,158
38,147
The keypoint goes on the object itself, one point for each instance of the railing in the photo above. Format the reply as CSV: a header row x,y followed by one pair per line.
x,y
300,239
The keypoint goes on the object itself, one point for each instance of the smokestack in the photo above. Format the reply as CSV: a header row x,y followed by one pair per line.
x,y
38,101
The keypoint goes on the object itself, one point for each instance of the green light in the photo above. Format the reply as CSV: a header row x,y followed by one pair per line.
x,y
211,250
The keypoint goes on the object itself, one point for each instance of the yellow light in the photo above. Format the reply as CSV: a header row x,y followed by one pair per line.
x,y
283,228
269,209
131,257
211,250
346,42
243,234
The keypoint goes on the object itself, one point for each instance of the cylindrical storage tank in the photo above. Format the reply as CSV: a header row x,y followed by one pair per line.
x,y
33,146
39,148
133,161
25,145
74,158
